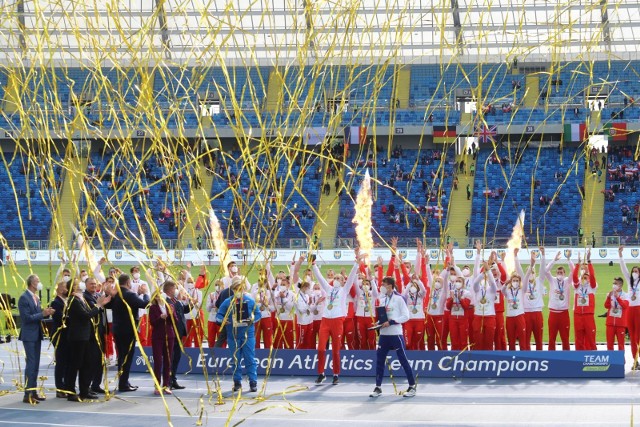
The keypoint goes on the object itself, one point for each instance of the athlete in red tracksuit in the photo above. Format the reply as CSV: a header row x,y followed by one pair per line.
x,y
458,302
559,292
534,290
500,275
366,296
514,302
617,304
633,313
584,303
485,288
285,310
414,295
305,306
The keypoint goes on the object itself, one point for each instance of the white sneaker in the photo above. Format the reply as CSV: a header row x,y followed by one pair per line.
x,y
411,391
376,392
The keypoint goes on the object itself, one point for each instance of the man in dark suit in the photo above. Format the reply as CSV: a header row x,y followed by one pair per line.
x,y
125,306
222,336
80,327
98,334
31,314
178,306
59,337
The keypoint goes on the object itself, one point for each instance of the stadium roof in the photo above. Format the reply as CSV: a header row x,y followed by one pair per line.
x,y
268,31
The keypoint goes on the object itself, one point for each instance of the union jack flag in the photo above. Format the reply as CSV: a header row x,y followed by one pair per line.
x,y
487,133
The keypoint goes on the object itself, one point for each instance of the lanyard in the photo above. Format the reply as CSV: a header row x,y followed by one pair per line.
x,y
514,296
435,296
584,291
414,299
334,294
561,286
483,290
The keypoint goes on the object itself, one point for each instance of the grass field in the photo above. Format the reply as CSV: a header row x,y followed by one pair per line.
x,y
12,282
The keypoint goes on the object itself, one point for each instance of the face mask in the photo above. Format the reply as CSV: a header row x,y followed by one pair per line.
x,y
452,277
317,293
66,279
136,276
413,289
515,284
616,288
39,286
383,290
176,293
282,289
190,285
278,282
466,272
84,277
307,278
458,285
308,292
635,275
585,282
234,269
82,286
366,288
560,276
438,285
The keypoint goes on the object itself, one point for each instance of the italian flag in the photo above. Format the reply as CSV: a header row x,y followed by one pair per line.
x,y
575,132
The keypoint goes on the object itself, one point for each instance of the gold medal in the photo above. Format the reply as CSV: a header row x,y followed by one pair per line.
x,y
615,311
262,308
583,300
282,310
414,311
561,297
515,306
308,312
434,306
366,309
532,297
315,312
633,298
483,300
330,306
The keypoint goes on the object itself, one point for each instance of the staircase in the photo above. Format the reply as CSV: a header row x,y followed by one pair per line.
x,y
592,218
532,91
403,86
459,209
328,212
67,212
274,91
197,211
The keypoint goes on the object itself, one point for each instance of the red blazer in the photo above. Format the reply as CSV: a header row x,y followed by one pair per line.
x,y
162,328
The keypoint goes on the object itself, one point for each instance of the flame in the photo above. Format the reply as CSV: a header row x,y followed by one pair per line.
x,y
362,217
515,241
219,242
84,249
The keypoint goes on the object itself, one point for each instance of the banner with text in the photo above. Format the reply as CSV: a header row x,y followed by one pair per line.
x,y
429,364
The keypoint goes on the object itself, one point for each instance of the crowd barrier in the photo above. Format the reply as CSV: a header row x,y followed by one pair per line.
x,y
426,364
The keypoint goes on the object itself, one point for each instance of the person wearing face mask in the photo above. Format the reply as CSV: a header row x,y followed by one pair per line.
x,y
126,305
213,328
333,315
305,306
617,305
163,318
180,329
366,296
145,329
514,301
499,271
59,337
238,314
232,269
31,336
320,298
95,350
79,320
284,307
108,286
261,293
414,293
633,312
195,316
485,288
534,289
584,323
558,321
457,303
391,337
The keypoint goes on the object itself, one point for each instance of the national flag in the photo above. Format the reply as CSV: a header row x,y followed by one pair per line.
x,y
350,133
444,134
487,133
575,132
315,135
615,131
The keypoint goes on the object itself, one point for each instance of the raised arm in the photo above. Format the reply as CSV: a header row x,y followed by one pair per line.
x,y
295,271
97,272
517,262
623,265
320,278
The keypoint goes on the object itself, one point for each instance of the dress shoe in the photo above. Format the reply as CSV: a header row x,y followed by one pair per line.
x,y
74,398
176,386
39,398
135,387
126,389
30,400
98,390
61,395
90,395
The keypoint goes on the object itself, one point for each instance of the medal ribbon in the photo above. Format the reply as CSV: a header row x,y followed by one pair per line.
x,y
414,299
561,286
333,296
532,289
435,296
583,292
483,290
514,296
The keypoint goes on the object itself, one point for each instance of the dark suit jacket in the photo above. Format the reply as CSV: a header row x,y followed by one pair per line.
x,y
57,332
101,318
79,319
121,306
222,297
31,316
181,323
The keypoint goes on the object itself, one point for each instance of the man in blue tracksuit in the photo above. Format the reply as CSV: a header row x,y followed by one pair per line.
x,y
391,337
238,313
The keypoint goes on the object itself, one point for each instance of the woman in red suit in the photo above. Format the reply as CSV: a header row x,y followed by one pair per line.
x,y
162,318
